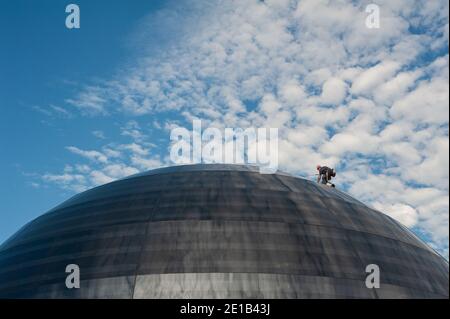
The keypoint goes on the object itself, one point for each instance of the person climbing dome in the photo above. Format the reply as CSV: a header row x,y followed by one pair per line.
x,y
325,174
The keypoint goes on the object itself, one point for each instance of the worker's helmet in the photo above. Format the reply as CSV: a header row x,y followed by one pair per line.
x,y
318,167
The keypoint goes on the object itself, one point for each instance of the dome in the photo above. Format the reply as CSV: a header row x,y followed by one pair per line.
x,y
217,231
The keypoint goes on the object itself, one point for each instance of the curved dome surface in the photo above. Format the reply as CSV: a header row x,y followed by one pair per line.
x,y
217,231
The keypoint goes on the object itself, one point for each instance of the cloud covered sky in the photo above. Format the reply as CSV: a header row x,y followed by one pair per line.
x,y
374,103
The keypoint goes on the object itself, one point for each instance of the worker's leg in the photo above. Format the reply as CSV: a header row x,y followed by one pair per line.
x,y
324,179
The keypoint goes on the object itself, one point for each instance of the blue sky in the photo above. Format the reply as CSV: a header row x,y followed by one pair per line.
x,y
83,107
42,63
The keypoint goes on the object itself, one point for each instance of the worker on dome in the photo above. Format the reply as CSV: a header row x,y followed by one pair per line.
x,y
325,174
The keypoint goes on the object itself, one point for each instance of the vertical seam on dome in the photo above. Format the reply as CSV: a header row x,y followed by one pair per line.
x,y
147,224
345,230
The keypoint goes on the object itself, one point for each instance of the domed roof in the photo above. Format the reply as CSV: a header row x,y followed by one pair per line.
x,y
217,231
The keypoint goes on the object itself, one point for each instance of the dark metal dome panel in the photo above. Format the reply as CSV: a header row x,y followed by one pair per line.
x,y
217,231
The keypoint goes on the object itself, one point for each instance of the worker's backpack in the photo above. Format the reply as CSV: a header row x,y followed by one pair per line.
x,y
331,173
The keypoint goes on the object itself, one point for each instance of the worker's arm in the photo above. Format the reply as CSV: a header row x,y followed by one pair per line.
x,y
318,178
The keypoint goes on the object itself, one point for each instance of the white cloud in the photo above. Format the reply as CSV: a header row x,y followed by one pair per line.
x,y
99,178
342,143
68,181
92,155
368,80
133,130
111,153
112,163
53,111
146,163
135,149
334,91
428,103
90,101
292,93
405,214
304,135
62,112
434,169
396,87
64,178
119,170
99,134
